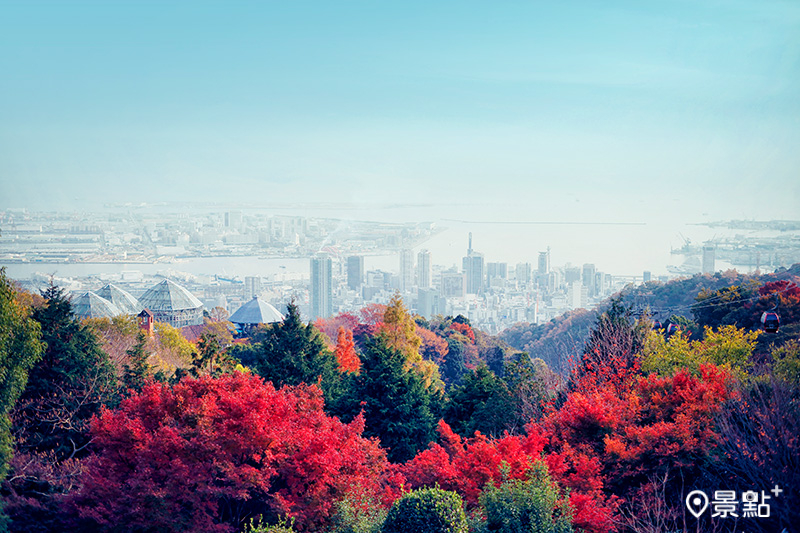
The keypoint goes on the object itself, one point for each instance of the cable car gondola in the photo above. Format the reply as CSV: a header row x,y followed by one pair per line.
x,y
770,321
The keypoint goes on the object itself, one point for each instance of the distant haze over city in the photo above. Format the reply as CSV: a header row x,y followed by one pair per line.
x,y
656,112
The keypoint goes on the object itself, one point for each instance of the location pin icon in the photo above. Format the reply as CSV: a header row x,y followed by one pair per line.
x,y
697,502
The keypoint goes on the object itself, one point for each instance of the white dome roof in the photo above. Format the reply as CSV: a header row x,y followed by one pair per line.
x,y
256,312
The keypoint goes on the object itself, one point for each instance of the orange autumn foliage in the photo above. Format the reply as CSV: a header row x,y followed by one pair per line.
x,y
345,352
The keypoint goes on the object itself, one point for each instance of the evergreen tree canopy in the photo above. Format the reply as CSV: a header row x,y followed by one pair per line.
x,y
290,353
136,370
482,402
454,365
398,407
70,383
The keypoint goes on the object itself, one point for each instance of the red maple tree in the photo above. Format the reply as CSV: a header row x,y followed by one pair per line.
x,y
210,453
615,430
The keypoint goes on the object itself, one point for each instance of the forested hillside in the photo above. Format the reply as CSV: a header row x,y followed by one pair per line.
x,y
383,421
701,300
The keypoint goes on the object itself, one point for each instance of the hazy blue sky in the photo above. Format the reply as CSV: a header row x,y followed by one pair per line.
x,y
623,109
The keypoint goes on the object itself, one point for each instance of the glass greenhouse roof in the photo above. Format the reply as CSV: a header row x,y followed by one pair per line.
x,y
122,299
169,296
90,305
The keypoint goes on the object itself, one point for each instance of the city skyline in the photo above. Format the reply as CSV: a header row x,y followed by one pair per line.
x,y
330,266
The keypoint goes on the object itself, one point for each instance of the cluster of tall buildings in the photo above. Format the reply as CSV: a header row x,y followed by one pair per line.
x,y
492,294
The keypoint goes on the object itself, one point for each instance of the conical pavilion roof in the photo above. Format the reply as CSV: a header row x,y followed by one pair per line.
x,y
256,312
122,299
90,305
169,296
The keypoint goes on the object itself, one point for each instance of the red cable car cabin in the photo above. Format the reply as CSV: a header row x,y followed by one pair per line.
x,y
770,322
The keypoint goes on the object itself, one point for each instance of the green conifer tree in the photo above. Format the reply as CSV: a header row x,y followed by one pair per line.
x,y
290,353
136,370
482,402
398,407
68,385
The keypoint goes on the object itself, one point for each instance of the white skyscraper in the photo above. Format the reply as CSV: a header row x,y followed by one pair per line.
x,y
406,270
474,270
523,273
577,295
424,269
355,271
321,287
544,262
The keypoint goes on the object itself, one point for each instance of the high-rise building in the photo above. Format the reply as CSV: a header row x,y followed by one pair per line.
x,y
233,219
473,268
600,283
571,274
577,295
321,287
424,269
429,303
252,287
406,270
453,284
378,279
355,271
550,281
497,270
709,259
544,262
587,278
523,273
496,275
647,276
